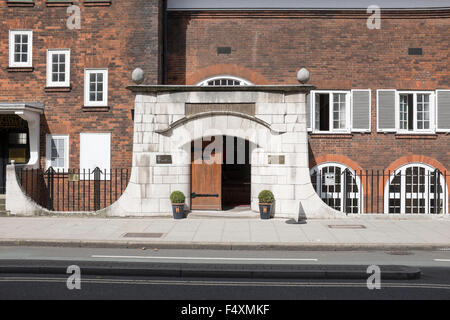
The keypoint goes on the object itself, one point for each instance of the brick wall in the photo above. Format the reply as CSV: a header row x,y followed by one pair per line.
x,y
340,52
120,37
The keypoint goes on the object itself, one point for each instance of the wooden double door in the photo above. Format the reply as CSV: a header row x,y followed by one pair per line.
x,y
216,185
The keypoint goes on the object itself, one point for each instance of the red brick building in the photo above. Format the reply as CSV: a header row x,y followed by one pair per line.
x,y
382,97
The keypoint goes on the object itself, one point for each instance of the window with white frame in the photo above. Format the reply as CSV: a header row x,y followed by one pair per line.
x,y
224,81
331,111
416,188
96,87
20,48
57,152
338,186
58,68
415,112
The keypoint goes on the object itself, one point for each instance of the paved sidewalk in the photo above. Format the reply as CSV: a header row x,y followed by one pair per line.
x,y
226,233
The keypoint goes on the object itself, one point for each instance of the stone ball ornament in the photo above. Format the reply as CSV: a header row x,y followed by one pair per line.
x,y
303,75
138,76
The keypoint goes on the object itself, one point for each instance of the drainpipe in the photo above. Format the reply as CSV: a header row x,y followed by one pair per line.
x,y
164,42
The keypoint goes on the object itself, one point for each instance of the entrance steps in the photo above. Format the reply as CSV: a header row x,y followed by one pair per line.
x,y
237,212
2,205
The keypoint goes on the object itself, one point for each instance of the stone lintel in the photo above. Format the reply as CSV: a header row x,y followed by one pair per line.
x,y
302,88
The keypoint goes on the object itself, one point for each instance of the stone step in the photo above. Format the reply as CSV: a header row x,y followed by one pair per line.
x,y
2,204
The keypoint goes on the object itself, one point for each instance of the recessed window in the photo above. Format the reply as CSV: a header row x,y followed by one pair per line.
x,y
338,186
96,87
224,81
331,112
57,152
58,68
415,112
20,48
416,188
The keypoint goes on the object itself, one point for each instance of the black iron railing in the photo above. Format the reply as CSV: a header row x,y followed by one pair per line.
x,y
411,191
414,190
74,189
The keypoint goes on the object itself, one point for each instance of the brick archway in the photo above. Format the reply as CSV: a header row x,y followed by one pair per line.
x,y
226,69
335,158
416,158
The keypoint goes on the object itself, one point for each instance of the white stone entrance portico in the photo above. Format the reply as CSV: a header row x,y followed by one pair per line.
x,y
275,123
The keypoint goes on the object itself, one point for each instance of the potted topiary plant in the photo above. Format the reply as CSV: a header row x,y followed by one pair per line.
x,y
266,200
177,198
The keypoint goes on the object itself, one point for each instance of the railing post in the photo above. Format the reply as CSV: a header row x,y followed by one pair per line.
x,y
437,193
97,173
50,177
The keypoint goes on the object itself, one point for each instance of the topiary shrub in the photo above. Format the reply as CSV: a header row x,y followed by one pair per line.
x,y
177,197
266,196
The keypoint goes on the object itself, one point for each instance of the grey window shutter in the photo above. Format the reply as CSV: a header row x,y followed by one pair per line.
x,y
361,110
386,110
443,110
308,112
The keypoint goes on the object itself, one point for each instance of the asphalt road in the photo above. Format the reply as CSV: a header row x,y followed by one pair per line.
x,y
434,283
440,258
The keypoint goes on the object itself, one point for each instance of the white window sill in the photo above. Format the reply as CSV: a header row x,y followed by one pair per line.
x,y
415,132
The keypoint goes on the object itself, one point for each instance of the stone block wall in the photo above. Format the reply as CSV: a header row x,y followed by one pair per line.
x,y
278,129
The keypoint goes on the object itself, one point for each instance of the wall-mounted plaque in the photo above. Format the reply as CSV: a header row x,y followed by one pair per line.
x,y
73,177
163,159
330,179
280,159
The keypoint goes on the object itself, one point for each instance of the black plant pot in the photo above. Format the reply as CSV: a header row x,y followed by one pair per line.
x,y
177,210
265,210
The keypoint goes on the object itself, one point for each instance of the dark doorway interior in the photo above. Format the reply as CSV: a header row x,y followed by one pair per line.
x,y
236,173
14,144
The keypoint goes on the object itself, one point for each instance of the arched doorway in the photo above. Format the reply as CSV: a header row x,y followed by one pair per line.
x,y
220,173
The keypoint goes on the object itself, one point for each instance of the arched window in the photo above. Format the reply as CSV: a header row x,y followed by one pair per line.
x,y
224,81
338,186
415,188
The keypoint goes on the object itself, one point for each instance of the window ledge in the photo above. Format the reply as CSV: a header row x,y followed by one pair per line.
x,y
97,3
95,108
23,3
431,136
20,69
58,89
331,135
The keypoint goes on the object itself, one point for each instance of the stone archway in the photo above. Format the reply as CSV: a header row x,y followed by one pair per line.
x,y
273,118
